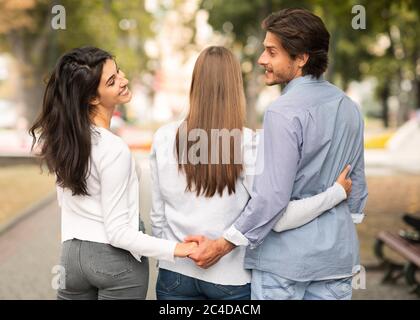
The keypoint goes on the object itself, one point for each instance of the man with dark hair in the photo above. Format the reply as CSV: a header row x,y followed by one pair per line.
x,y
311,132
301,38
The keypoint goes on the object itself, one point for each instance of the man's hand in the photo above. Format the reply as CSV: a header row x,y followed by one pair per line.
x,y
345,182
209,251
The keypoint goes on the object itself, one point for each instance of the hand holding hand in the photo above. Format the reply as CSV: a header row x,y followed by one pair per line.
x,y
209,251
183,250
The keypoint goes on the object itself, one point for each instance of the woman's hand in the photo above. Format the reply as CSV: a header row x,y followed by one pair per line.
x,y
184,249
344,181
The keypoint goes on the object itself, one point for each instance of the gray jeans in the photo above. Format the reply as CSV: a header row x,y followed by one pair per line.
x,y
100,271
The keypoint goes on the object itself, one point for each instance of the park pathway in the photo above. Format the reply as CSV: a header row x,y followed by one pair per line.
x,y
30,250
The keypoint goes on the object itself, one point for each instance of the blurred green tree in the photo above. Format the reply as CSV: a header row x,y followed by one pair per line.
x,y
26,32
396,65
387,49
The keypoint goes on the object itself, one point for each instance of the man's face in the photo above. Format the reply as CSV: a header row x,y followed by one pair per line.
x,y
280,68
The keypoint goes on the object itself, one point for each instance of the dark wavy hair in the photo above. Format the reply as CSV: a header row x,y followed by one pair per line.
x,y
63,129
300,31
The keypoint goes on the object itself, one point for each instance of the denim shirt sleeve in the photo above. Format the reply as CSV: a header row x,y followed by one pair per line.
x,y
359,193
272,189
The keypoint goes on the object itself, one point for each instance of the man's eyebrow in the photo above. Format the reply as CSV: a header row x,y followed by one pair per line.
x,y
270,47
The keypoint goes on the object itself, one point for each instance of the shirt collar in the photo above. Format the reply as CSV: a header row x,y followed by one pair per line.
x,y
301,80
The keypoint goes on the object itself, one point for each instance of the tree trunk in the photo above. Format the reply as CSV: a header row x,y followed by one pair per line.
x,y
253,87
384,95
33,96
417,84
252,83
34,55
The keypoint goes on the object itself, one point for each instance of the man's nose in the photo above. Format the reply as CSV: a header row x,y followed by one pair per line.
x,y
262,59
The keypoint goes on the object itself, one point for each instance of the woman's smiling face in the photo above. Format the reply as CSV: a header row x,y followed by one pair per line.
x,y
113,87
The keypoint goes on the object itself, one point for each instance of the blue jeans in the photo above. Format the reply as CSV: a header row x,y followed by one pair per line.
x,y
175,286
269,286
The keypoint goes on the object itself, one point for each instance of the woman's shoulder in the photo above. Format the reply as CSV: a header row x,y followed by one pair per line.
x,y
108,143
167,131
250,137
169,127
248,131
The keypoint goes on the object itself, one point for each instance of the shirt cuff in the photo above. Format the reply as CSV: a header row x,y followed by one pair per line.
x,y
357,217
339,191
341,194
234,236
169,255
166,249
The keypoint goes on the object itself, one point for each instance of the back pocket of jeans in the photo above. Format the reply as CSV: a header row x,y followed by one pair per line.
x,y
339,288
167,280
275,287
110,261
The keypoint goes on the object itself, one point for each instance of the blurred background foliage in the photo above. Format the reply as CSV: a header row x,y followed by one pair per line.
x,y
25,32
387,51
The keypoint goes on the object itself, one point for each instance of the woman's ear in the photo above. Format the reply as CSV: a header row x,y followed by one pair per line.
x,y
94,101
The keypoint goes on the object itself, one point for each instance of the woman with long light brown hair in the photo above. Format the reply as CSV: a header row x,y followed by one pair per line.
x,y
202,170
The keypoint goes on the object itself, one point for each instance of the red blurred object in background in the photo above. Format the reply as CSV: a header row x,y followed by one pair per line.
x,y
137,139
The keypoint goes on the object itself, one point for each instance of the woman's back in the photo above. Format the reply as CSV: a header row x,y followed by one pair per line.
x,y
177,213
83,216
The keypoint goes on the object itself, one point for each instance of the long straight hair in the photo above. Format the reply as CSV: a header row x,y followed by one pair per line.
x,y
217,101
63,129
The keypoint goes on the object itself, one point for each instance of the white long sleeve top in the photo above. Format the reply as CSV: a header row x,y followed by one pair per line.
x,y
110,214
